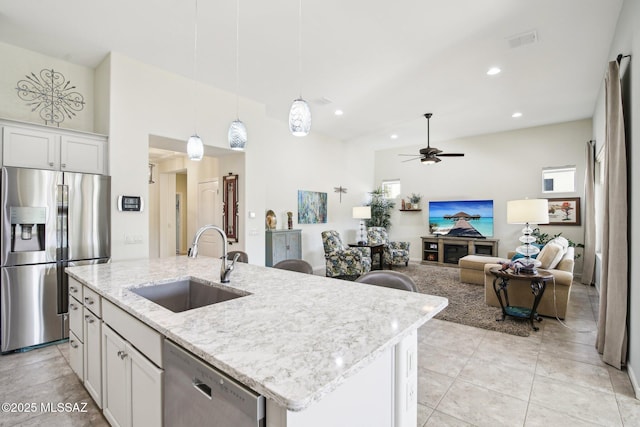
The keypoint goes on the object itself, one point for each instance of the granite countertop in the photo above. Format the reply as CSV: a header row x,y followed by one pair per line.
x,y
293,339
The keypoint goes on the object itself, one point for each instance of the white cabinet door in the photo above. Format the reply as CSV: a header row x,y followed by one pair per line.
x,y
82,154
93,356
30,148
116,392
146,390
76,355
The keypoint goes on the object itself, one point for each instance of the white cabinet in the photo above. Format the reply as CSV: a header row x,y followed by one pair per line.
x,y
93,356
85,338
132,384
42,147
132,387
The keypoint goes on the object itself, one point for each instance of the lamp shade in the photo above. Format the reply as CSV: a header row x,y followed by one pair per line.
x,y
195,148
531,211
237,135
300,118
362,212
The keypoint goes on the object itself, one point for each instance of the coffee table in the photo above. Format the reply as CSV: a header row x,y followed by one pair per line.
x,y
538,283
375,249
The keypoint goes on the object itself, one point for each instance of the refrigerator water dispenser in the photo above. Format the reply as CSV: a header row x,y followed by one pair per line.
x,y
27,228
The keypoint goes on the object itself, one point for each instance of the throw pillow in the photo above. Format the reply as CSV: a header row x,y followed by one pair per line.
x,y
562,242
550,255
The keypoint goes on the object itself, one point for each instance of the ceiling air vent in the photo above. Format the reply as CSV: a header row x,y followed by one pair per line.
x,y
523,39
322,101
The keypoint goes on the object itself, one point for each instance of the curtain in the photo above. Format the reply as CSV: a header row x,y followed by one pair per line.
x,y
611,340
589,262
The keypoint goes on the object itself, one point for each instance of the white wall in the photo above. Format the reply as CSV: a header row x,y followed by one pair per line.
x,y
18,62
627,42
147,101
501,166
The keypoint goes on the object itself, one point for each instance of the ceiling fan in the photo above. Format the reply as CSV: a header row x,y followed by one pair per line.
x,y
430,155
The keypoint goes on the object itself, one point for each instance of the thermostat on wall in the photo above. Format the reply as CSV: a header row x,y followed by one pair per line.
x,y
130,203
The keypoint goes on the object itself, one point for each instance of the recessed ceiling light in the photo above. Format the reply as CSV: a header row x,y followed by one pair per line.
x,y
394,136
493,71
338,112
516,115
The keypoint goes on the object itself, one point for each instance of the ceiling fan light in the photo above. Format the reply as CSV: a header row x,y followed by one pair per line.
x,y
195,148
237,135
300,118
429,160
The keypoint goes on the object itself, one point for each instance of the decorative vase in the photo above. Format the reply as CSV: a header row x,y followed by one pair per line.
x,y
290,220
271,220
408,205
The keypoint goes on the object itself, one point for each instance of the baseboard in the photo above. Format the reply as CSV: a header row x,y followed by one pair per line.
x,y
634,381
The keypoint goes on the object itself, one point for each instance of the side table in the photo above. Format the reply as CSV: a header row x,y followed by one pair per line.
x,y
375,249
538,283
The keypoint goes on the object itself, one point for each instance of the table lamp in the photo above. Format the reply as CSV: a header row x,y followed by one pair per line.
x,y
528,211
362,213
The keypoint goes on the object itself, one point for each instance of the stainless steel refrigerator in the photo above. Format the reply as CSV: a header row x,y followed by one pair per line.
x,y
50,220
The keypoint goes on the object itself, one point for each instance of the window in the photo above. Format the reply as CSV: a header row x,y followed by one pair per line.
x,y
559,179
391,188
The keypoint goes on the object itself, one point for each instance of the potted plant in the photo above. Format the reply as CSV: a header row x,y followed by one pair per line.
x,y
415,200
381,208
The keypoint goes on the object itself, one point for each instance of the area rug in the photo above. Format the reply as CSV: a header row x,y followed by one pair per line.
x,y
466,301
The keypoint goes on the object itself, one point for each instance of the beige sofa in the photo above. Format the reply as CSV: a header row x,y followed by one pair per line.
x,y
475,269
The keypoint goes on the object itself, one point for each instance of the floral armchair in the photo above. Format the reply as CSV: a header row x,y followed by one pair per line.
x,y
395,253
343,261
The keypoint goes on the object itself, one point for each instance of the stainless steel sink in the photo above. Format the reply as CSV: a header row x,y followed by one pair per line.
x,y
183,295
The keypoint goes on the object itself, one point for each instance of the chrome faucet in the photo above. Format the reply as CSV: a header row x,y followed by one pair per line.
x,y
225,268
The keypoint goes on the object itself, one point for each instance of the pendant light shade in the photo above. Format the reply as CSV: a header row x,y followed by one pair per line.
x,y
300,118
237,135
195,148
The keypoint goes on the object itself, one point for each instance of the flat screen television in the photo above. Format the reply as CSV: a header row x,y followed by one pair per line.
x,y
461,218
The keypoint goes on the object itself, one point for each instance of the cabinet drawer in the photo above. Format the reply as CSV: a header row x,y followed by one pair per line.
x,y
91,300
76,355
141,336
75,289
75,317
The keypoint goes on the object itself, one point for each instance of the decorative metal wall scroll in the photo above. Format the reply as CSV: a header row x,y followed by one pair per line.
x,y
52,94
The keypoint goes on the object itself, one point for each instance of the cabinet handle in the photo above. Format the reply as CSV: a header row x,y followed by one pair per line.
x,y
89,319
73,344
88,300
73,289
73,306
64,165
50,163
122,354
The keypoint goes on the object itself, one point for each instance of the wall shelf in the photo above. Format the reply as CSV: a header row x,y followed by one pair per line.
x,y
410,210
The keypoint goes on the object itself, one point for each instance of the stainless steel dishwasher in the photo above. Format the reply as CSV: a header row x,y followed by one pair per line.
x,y
196,394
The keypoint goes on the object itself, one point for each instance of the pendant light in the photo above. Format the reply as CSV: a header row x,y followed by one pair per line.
x,y
237,130
300,113
195,147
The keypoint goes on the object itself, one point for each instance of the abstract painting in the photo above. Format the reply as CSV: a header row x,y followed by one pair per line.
x,y
312,207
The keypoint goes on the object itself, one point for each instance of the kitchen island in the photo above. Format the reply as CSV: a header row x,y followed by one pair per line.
x,y
319,350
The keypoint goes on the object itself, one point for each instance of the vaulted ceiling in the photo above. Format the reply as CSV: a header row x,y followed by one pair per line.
x,y
382,63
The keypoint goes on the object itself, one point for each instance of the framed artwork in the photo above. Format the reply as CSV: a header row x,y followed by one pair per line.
x,y
312,207
564,211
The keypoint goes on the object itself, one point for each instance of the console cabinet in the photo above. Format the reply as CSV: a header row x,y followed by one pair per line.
x,y
448,250
42,147
281,245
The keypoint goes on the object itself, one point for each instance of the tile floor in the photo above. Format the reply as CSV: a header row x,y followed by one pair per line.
x,y
467,377
554,377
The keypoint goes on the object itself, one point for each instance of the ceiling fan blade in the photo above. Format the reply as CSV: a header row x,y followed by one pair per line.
x,y
411,155
413,158
450,154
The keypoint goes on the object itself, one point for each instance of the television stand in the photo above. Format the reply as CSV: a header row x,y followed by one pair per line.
x,y
445,250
